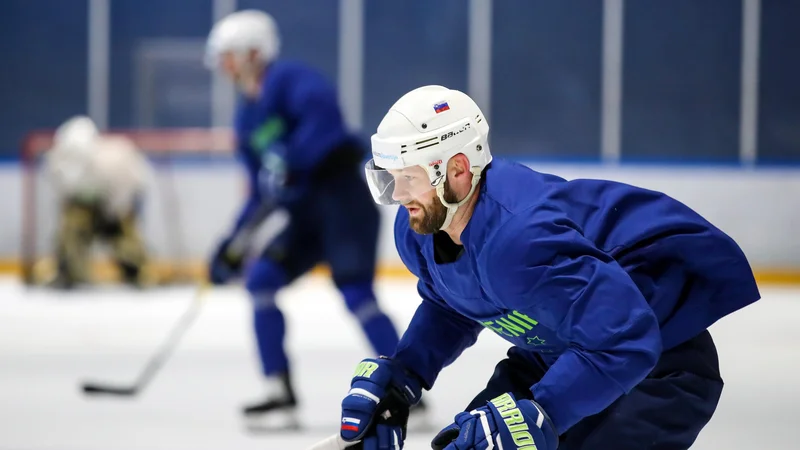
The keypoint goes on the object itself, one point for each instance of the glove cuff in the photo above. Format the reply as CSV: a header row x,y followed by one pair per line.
x,y
408,384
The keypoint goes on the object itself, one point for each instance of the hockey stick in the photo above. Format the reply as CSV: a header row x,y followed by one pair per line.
x,y
159,357
335,442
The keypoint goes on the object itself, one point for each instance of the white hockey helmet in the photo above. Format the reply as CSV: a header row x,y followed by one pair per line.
x,y
76,134
241,32
74,143
425,128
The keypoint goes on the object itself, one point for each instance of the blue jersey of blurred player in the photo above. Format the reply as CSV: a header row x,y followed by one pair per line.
x,y
300,158
604,290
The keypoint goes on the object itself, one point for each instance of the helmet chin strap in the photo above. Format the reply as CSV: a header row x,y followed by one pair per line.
x,y
453,207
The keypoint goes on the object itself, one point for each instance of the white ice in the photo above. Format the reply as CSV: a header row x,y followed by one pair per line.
x,y
49,343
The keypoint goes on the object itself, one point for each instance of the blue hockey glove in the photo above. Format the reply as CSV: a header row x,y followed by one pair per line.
x,y
384,437
380,389
503,423
224,264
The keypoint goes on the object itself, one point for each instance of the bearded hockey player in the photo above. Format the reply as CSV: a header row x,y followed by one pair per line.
x,y
300,158
99,182
604,290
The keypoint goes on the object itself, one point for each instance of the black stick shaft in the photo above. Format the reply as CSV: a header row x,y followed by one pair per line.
x,y
157,360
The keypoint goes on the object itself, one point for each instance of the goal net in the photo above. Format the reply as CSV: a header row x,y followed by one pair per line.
x,y
187,204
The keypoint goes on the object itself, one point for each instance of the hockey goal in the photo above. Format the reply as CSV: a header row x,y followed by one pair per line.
x,y
181,213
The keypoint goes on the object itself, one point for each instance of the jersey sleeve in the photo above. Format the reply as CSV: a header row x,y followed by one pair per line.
x,y
318,123
252,166
437,334
540,264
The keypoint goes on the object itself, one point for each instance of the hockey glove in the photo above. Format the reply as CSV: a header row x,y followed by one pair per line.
x,y
383,437
225,265
379,388
503,423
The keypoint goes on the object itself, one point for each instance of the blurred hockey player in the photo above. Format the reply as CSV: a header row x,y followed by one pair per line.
x,y
99,182
604,290
300,158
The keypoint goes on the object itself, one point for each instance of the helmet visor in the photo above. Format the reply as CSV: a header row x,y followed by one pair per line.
x,y
397,186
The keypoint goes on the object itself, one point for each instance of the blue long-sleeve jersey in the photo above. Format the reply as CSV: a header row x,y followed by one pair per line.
x,y
597,277
288,131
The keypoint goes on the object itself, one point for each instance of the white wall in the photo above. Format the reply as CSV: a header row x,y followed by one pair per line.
x,y
760,208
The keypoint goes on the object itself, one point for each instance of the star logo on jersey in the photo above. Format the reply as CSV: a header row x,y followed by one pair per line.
x,y
535,341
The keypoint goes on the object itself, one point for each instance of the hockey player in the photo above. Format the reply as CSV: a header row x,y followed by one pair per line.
x,y
300,157
99,182
605,290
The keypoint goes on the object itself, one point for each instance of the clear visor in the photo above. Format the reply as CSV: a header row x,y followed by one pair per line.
x,y
397,186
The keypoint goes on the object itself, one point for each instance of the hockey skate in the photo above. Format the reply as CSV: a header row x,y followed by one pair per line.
x,y
278,412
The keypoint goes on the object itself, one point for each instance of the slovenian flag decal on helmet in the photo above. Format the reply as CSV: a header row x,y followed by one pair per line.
x,y
441,107
350,423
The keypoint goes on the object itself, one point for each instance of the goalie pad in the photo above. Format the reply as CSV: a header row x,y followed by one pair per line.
x,y
79,226
74,242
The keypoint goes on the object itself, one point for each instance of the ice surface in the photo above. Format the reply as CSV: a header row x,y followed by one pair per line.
x,y
50,342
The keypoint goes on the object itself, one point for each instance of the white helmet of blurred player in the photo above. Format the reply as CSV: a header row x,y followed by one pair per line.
x,y
242,43
78,132
73,145
425,128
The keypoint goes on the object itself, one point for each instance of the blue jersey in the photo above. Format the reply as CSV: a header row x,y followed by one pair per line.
x,y
288,132
596,277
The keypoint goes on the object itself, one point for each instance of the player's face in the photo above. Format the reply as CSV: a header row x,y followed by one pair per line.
x,y
413,189
231,66
242,70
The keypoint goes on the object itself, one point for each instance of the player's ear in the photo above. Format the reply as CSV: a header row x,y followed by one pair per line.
x,y
458,165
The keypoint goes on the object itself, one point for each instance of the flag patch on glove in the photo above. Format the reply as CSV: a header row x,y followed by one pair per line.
x,y
350,423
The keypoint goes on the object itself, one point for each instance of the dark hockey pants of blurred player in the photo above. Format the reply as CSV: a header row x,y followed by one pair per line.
x,y
83,222
336,223
666,411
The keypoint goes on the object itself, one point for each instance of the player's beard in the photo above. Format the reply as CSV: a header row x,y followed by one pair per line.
x,y
433,215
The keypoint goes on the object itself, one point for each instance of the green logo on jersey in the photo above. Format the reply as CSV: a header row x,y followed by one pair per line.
x,y
365,369
267,134
513,324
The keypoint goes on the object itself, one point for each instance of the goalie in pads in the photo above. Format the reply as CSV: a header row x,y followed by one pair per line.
x,y
99,182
